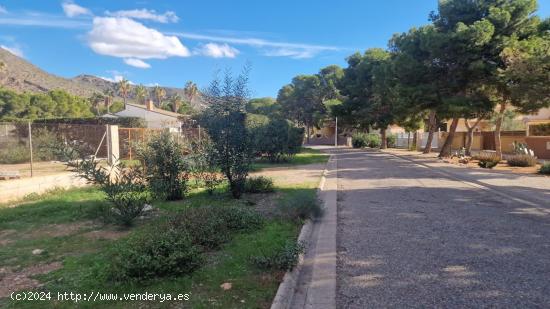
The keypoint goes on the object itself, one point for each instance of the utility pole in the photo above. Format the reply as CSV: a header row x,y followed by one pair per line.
x,y
336,133
30,144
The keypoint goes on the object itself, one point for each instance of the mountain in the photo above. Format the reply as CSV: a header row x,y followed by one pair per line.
x,y
22,76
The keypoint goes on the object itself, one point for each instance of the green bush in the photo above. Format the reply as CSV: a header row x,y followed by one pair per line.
x,y
522,160
240,219
203,165
125,188
206,229
545,169
391,140
166,165
259,184
373,140
159,252
283,258
225,121
487,160
210,227
301,206
14,153
278,139
359,140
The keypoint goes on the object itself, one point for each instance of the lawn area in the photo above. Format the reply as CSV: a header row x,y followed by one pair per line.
x,y
77,248
306,156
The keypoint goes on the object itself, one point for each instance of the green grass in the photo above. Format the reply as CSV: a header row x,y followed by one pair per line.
x,y
86,261
305,156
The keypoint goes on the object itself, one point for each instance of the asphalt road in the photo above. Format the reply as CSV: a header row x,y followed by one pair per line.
x,y
409,237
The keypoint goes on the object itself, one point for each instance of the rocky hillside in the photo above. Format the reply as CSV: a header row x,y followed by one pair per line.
x,y
20,75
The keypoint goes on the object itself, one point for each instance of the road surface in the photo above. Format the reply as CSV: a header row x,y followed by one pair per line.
x,y
410,236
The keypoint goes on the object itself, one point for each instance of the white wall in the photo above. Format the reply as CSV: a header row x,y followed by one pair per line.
x,y
153,119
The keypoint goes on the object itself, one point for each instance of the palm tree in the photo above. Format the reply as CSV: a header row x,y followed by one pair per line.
x,y
108,95
175,102
124,89
96,100
159,93
191,91
141,94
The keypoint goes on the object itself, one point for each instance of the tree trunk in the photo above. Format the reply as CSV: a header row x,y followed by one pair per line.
x,y
470,135
124,102
307,133
384,141
431,129
409,140
415,141
446,149
498,128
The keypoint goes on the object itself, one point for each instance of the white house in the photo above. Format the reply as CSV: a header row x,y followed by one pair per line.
x,y
155,117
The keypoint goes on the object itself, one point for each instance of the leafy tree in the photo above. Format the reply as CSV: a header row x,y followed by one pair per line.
x,y
53,104
123,89
302,101
367,85
159,94
141,94
264,106
482,33
225,122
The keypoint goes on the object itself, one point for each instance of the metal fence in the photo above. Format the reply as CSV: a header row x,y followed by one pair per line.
x,y
29,149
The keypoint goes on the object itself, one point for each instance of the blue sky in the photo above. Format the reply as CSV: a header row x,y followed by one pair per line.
x,y
171,42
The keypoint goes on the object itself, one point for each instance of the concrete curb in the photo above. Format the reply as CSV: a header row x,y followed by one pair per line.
x,y
285,293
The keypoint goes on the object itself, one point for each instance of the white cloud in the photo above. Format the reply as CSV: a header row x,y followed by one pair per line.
x,y
137,63
125,38
217,50
290,52
275,49
167,17
14,50
3,10
72,10
116,78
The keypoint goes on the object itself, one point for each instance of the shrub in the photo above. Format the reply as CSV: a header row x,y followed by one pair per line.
x,y
158,252
359,140
522,160
14,153
487,160
225,121
301,206
210,226
373,141
205,227
259,184
391,140
277,140
203,165
125,188
545,169
283,258
166,165
240,219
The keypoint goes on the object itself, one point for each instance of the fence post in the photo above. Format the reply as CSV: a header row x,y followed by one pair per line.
x,y
113,153
30,144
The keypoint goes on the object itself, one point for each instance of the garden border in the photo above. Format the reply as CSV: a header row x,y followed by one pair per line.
x,y
287,288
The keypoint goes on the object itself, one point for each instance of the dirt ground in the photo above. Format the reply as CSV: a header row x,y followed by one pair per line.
x,y
39,168
293,175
